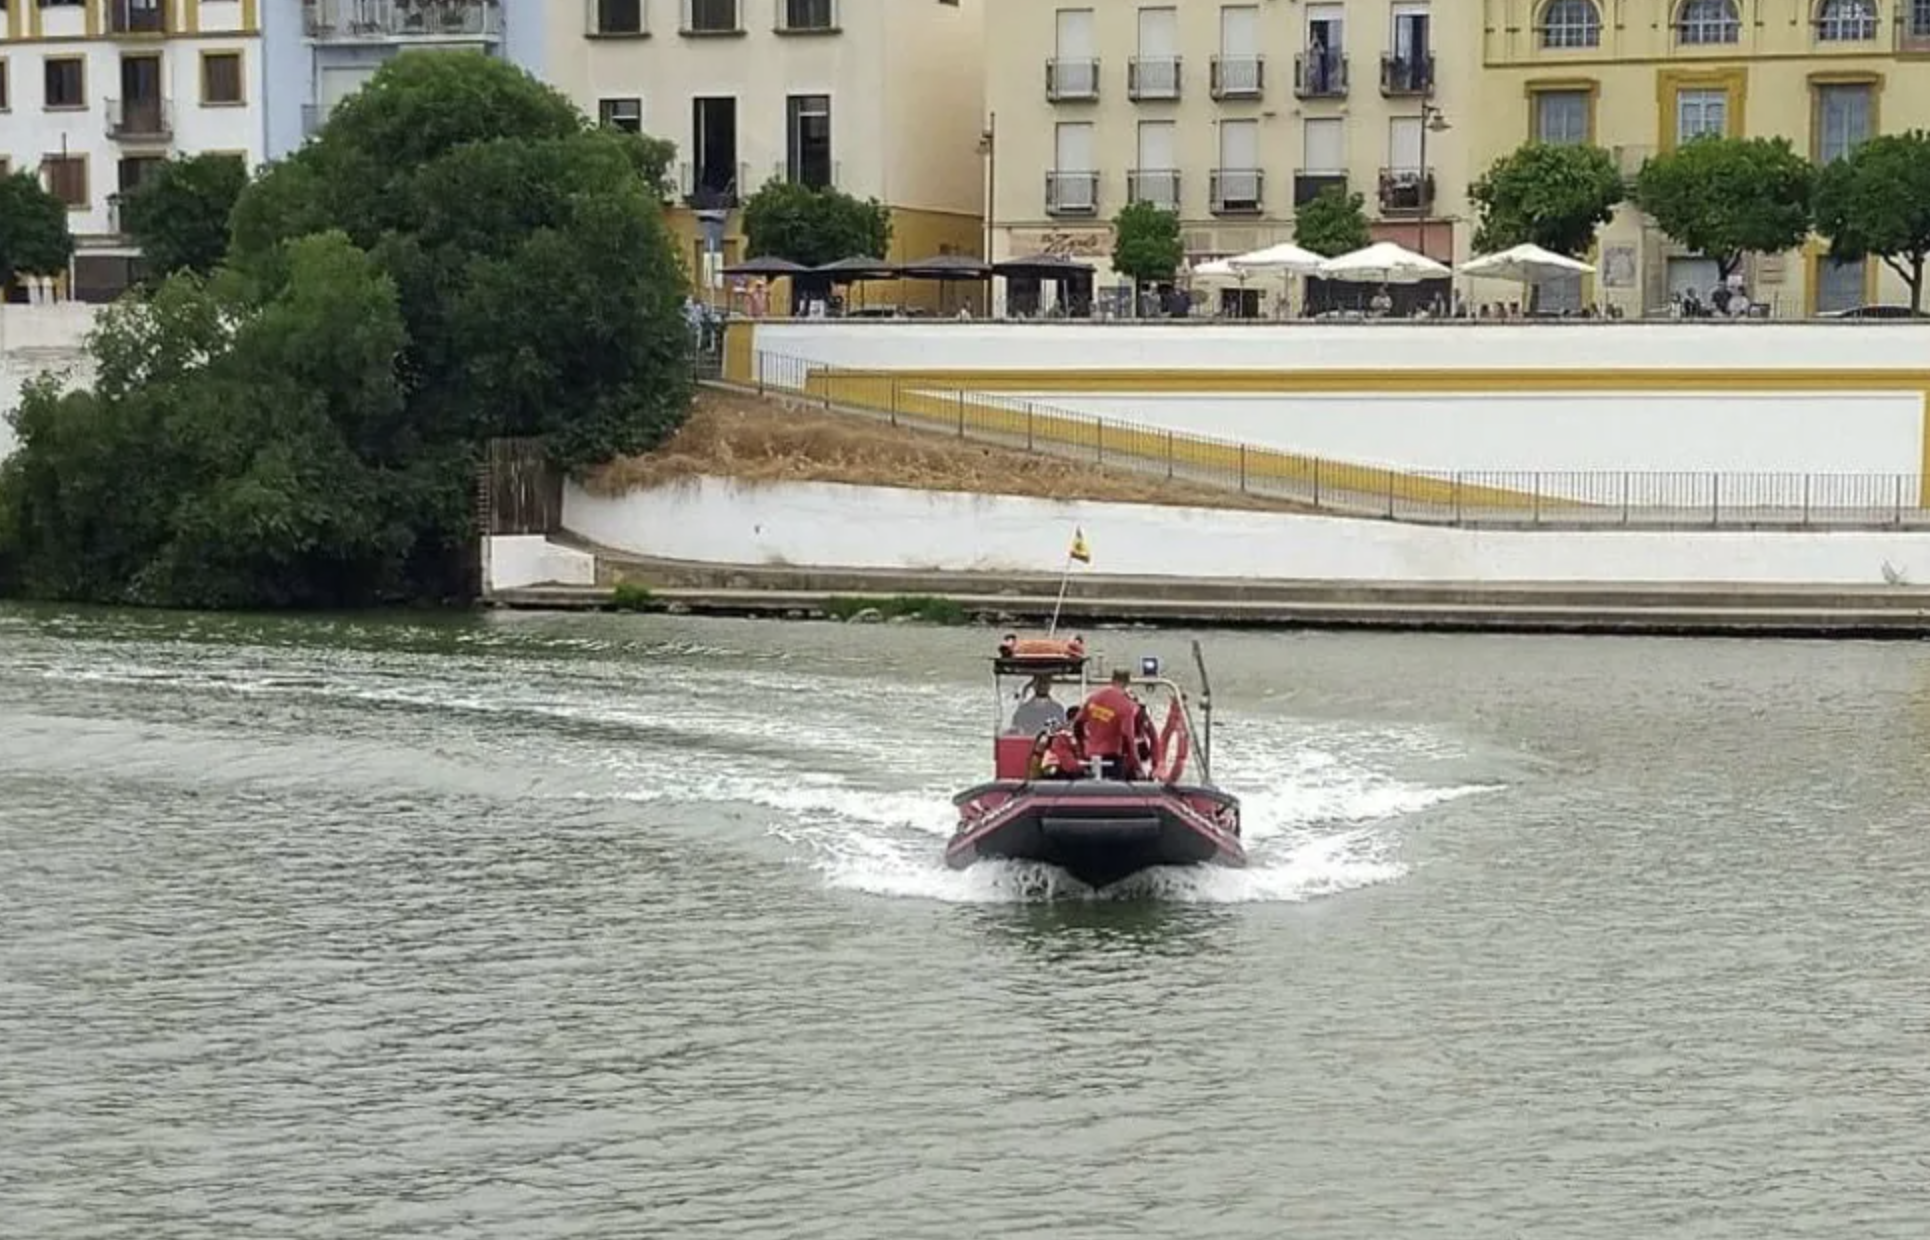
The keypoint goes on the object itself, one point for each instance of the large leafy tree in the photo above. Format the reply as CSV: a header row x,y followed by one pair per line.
x,y
1146,244
1551,195
1334,223
34,237
814,226
1727,197
458,255
1875,201
180,216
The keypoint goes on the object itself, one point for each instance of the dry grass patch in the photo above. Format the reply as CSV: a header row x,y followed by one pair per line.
x,y
772,439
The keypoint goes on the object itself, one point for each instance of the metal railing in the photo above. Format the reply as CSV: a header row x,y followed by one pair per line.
x,y
1159,186
1153,77
1072,193
1501,498
150,119
1320,75
1071,80
402,19
1237,77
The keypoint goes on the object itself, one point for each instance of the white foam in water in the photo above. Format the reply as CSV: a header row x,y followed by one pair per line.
x,y
1316,823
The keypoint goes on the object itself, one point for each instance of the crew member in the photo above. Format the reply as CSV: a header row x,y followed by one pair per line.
x,y
1040,711
1107,725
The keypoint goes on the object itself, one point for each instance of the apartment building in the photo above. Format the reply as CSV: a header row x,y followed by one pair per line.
x,y
320,52
95,94
1232,114
880,98
1641,76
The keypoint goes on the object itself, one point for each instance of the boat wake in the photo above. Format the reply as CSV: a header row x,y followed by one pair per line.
x,y
1322,814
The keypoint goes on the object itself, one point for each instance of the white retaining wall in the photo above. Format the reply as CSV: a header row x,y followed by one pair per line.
x,y
832,525
1059,347
513,561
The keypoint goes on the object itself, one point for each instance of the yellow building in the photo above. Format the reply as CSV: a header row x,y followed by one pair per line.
x,y
881,98
1232,114
1640,76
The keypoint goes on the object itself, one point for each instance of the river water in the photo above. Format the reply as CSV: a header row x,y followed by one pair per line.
x,y
599,926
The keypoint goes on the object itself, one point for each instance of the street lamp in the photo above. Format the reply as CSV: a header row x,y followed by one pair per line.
x,y
1431,119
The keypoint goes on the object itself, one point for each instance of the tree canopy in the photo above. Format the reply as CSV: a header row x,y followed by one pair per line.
x,y
34,237
1552,195
1146,244
180,217
1334,223
814,226
457,256
1727,197
1875,202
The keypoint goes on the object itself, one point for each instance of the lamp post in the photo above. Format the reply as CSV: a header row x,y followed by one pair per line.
x,y
1431,119
988,147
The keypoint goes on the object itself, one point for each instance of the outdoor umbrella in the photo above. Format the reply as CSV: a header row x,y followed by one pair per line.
x,y
1528,263
1042,267
1383,263
769,266
1285,258
858,267
947,267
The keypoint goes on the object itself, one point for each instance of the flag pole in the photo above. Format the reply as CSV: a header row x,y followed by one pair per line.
x,y
1065,579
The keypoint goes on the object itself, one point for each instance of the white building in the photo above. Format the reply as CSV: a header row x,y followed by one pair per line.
x,y
94,94
319,52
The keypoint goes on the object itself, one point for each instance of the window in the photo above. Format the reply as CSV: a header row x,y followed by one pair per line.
x,y
1571,23
1072,186
1156,179
624,114
1842,119
1154,73
135,17
1699,113
136,171
713,131
67,179
66,82
804,15
1324,140
1846,21
1561,116
1074,72
807,136
619,17
4,104
711,17
221,78
1708,21
1920,19
1839,285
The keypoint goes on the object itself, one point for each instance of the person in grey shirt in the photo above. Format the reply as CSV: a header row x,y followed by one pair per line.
x,y
1038,712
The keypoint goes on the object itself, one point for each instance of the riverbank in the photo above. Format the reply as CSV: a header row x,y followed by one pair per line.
x,y
1630,609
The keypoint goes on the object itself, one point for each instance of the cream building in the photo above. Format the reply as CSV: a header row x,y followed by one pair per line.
x,y
94,94
1639,76
1233,114
881,98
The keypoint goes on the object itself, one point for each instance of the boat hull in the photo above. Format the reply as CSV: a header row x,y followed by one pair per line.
x,y
1098,831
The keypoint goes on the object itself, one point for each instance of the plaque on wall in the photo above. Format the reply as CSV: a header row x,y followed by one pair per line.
x,y
1618,266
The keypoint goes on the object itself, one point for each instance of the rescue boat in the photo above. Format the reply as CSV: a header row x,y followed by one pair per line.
x,y
1099,822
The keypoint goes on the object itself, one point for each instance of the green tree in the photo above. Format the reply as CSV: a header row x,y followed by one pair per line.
x,y
180,217
1727,197
34,237
814,226
212,462
1334,223
1875,201
1551,195
1146,245
458,255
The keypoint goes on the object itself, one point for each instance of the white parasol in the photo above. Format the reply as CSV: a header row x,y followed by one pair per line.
x,y
1286,257
1528,263
1383,263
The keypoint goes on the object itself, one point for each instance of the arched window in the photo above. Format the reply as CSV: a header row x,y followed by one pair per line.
x,y
1571,23
1708,21
1846,21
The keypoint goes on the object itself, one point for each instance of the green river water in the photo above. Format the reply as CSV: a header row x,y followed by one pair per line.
x,y
536,927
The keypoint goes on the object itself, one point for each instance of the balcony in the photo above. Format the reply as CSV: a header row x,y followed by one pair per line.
x,y
1159,186
811,172
1308,186
807,16
143,121
712,17
1072,193
1236,191
1406,191
357,21
136,17
1320,75
1407,76
1239,77
1071,81
707,195
1152,77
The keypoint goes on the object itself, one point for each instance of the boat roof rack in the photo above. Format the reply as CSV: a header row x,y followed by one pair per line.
x,y
1040,656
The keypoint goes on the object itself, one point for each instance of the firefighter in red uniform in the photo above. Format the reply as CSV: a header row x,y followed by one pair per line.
x,y
1107,726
